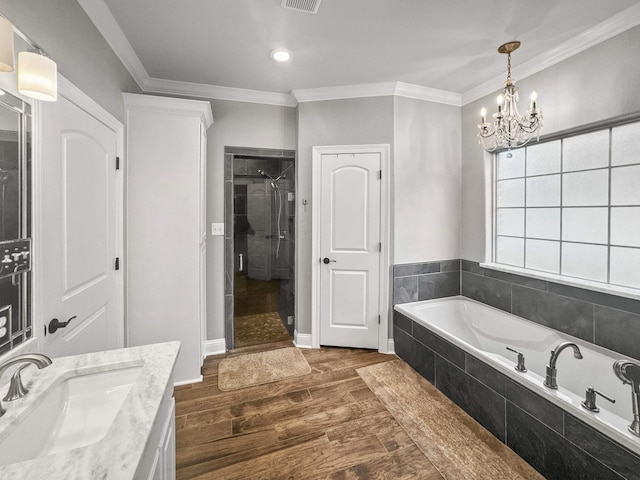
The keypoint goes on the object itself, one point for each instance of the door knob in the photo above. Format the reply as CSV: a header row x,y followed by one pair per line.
x,y
55,324
327,261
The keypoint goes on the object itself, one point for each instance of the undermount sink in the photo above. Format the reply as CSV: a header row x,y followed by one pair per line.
x,y
74,413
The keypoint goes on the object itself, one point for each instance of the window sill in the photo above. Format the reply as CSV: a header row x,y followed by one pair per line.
x,y
570,281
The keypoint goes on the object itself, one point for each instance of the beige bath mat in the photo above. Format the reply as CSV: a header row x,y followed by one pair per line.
x,y
262,367
455,443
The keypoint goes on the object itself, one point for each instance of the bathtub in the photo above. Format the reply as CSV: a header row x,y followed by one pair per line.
x,y
486,332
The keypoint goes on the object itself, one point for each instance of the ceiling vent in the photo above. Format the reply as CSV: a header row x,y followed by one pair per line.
x,y
305,6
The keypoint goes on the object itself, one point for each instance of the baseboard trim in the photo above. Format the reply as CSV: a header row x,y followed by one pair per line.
x,y
187,382
391,348
302,340
214,347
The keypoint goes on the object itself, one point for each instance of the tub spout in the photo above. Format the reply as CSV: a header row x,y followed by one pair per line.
x,y
552,371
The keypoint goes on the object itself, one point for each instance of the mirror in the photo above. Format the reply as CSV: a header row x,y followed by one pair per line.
x,y
15,222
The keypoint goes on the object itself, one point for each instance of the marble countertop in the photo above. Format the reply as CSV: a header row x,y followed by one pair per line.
x,y
119,453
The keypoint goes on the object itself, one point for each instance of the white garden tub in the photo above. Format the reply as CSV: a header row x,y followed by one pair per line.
x,y
486,332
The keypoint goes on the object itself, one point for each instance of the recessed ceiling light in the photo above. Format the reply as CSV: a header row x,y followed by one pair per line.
x,y
281,55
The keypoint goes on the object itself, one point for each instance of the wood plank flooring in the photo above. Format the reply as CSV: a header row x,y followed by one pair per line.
x,y
327,424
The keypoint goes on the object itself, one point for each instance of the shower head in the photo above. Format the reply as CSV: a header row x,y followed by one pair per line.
x,y
273,180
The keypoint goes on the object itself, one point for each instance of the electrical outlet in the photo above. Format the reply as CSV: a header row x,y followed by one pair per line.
x,y
291,196
290,320
217,229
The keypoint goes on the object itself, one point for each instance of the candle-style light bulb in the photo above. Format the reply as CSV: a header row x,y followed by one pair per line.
x,y
500,99
534,97
483,114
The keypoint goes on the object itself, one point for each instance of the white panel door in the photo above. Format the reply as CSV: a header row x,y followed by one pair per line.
x,y
350,250
79,231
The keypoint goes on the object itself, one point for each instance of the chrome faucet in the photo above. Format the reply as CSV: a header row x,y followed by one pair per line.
x,y
552,371
16,389
629,373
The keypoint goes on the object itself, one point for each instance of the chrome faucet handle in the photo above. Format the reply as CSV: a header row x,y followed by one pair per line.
x,y
16,388
520,367
589,401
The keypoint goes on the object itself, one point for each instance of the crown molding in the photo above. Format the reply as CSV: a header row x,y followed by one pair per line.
x,y
428,94
173,106
107,25
345,91
200,90
605,30
363,90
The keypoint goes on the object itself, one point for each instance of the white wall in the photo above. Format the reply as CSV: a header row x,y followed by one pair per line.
x,y
236,124
598,84
332,122
426,169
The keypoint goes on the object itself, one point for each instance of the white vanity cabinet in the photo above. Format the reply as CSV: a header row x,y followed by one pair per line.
x,y
163,453
165,209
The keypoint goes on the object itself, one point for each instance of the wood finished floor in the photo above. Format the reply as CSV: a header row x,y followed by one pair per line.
x,y
327,424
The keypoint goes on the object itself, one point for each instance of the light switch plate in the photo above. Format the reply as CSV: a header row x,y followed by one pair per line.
x,y
217,229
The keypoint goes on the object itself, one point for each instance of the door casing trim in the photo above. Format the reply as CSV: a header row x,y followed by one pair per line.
x,y
385,236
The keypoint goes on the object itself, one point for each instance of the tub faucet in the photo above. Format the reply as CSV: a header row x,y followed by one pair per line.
x,y
629,373
552,371
16,388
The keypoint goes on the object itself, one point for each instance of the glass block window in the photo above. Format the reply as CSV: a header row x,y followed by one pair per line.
x,y
571,206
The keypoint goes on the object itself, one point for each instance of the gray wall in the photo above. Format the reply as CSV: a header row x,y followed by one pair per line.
x,y
236,124
66,33
597,84
332,122
426,171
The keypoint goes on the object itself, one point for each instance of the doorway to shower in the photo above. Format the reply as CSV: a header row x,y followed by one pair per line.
x,y
259,246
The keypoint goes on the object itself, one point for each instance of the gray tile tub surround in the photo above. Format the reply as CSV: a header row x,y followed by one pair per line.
x,y
606,320
553,441
426,281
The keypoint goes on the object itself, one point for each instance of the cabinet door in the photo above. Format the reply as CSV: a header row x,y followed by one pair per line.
x,y
156,471
168,446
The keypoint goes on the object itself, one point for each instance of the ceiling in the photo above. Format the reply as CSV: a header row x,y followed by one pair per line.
x,y
448,46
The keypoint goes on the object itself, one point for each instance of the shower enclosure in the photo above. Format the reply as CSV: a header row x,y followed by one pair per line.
x,y
260,204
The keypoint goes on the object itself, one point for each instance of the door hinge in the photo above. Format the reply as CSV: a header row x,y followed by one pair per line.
x,y
378,319
117,263
117,163
379,174
380,246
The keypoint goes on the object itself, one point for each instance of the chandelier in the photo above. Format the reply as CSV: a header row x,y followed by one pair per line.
x,y
509,129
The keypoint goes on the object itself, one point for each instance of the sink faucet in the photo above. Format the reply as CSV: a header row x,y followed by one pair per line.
x,y
37,359
552,371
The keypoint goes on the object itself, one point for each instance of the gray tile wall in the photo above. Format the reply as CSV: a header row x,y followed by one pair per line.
x,y
607,320
426,281
554,442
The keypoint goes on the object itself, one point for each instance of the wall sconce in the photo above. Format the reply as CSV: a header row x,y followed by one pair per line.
x,y
37,76
6,45
37,73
